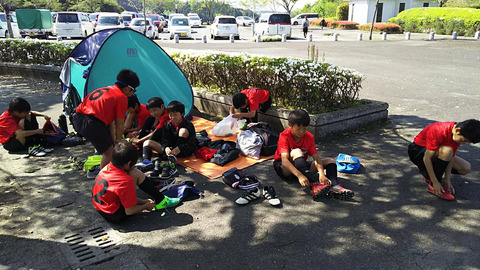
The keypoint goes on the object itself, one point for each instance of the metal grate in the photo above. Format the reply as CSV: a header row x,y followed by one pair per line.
x,y
91,246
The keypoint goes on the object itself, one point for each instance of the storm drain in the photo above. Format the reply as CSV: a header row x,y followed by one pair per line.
x,y
92,246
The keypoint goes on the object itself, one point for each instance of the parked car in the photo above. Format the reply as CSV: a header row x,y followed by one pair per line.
x,y
164,23
224,26
127,18
73,24
173,15
195,21
245,20
180,26
4,27
131,13
108,21
299,18
157,21
138,24
271,24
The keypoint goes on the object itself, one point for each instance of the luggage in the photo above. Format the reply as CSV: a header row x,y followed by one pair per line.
x,y
268,136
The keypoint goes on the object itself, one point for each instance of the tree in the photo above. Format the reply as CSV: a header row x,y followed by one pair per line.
x,y
287,4
209,4
253,5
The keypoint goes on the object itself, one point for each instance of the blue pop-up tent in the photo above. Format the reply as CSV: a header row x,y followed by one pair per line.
x,y
96,61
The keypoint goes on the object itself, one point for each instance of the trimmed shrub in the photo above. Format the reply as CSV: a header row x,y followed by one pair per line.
x,y
34,51
390,28
317,22
343,25
342,11
465,21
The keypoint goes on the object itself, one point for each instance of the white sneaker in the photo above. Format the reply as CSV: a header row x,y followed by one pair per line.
x,y
46,150
36,151
249,195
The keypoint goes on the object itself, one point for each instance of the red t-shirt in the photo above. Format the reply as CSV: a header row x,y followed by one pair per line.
x,y
8,126
112,187
255,96
106,104
287,143
162,120
435,135
142,115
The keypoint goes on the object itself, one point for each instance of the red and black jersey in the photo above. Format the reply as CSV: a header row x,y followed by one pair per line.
x,y
112,187
435,135
255,96
170,135
162,120
8,126
286,143
106,104
142,115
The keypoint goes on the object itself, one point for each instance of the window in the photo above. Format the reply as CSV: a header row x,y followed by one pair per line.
x,y
379,12
401,8
425,4
67,18
280,18
227,21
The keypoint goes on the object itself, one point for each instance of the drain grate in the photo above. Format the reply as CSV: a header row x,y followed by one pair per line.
x,y
91,246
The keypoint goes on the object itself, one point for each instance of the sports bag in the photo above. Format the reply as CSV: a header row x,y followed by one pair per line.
x,y
52,133
226,154
250,143
268,136
347,163
232,177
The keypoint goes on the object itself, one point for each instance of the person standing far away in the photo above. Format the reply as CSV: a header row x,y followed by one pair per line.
x,y
305,25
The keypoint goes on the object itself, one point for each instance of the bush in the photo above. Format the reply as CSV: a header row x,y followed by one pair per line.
x,y
390,28
343,25
342,11
317,22
293,83
465,21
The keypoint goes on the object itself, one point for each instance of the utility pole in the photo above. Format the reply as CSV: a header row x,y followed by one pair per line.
x,y
373,19
144,19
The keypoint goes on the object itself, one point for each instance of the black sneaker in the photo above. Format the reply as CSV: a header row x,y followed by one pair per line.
x,y
168,171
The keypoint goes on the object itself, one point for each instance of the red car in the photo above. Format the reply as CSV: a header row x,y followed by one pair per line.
x,y
157,21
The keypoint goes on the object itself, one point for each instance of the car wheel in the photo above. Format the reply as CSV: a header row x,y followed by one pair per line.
x,y
211,36
295,23
237,37
6,34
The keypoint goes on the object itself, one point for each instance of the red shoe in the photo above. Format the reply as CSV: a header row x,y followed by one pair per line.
x,y
339,192
446,195
317,189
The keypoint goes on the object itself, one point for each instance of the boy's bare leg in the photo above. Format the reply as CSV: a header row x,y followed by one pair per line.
x,y
461,165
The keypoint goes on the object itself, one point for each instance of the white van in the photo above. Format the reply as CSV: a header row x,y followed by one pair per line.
x,y
298,20
4,27
73,25
271,24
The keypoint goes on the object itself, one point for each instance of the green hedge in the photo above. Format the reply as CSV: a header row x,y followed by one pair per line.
x,y
293,83
442,20
389,28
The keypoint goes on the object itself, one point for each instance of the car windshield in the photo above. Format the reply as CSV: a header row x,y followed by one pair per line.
x,y
139,22
67,18
153,17
108,20
227,21
2,18
180,22
247,18
194,18
280,18
127,18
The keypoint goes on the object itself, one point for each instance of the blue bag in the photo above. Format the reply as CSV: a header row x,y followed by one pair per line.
x,y
183,192
52,133
347,163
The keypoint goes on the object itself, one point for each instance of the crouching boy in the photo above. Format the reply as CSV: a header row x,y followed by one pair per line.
x,y
434,152
295,145
113,192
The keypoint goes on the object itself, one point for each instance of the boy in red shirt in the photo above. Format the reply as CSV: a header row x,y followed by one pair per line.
x,y
137,114
19,128
104,110
434,152
249,101
295,145
113,192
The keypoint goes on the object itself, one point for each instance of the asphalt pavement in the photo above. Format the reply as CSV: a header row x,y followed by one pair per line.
x,y
392,222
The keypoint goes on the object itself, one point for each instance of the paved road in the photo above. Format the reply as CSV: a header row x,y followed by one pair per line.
x,y
392,223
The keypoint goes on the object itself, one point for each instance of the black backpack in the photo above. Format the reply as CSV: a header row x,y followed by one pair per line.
x,y
269,138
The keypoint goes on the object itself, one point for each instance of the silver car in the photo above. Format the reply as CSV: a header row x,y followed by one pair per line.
x,y
138,24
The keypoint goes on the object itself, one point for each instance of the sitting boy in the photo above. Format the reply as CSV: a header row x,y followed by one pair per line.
x,y
113,192
151,134
434,152
295,144
137,114
249,101
19,129
179,140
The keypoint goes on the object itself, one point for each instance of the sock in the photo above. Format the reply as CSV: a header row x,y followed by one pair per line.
x,y
147,152
148,187
439,167
331,170
302,165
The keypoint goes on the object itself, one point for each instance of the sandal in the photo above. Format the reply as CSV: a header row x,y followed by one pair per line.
x,y
249,195
270,195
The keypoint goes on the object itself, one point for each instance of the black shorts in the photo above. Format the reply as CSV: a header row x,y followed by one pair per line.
x,y
14,145
94,130
416,154
277,166
116,217
157,135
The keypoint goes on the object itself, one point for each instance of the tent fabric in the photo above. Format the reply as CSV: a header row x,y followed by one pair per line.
x,y
96,61
34,19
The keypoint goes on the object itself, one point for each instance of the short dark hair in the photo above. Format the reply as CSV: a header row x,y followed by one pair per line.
x,y
155,102
299,117
176,106
124,153
127,76
132,101
19,105
239,99
470,129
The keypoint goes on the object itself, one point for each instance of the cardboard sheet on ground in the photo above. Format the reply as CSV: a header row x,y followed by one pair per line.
x,y
209,169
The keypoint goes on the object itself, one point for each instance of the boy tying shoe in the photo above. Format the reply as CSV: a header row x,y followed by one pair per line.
x,y
249,101
113,192
19,129
179,140
295,145
434,152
